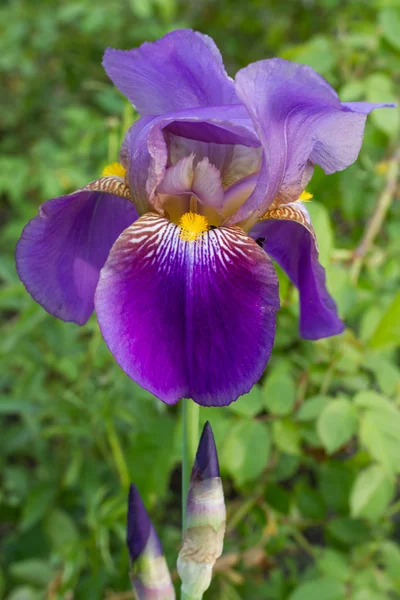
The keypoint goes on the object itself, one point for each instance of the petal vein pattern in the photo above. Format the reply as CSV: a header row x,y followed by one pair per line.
x,y
188,318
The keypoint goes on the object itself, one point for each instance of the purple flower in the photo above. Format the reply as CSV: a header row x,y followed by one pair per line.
x,y
149,571
164,245
204,532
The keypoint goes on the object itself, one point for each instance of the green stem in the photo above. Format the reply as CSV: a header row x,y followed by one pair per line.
x,y
190,439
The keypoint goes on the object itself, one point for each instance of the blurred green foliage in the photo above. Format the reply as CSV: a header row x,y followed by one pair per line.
x,y
311,457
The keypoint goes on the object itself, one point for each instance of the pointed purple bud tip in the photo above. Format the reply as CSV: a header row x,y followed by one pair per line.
x,y
206,465
139,524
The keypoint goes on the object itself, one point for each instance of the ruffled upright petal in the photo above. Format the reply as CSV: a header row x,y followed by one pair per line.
x,y
202,180
288,237
300,122
188,319
62,250
145,152
184,69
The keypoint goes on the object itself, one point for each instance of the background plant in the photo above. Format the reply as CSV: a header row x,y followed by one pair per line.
x,y
311,457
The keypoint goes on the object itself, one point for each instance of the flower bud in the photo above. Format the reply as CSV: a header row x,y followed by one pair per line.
x,y
150,576
204,532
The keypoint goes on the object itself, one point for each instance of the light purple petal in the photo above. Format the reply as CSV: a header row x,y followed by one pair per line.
x,y
145,150
62,250
290,241
202,181
366,107
301,122
184,69
188,319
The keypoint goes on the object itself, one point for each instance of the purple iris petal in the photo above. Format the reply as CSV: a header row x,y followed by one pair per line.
x,y
206,464
145,150
300,122
366,107
62,250
233,161
293,247
139,527
188,318
202,180
184,69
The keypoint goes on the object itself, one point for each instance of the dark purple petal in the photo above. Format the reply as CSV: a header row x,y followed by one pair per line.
x,y
145,150
290,241
62,250
206,464
188,319
301,122
139,527
184,69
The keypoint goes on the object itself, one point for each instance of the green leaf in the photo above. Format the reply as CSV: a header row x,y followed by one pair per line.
x,y
310,502
278,498
371,493
350,532
319,53
286,436
246,450
387,120
336,480
279,391
385,371
61,530
33,571
323,229
390,553
249,404
389,21
387,333
380,434
325,588
334,564
25,592
337,424
312,408
37,505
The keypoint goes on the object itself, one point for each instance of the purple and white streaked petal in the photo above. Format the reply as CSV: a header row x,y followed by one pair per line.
x,y
178,314
300,122
290,241
62,250
184,69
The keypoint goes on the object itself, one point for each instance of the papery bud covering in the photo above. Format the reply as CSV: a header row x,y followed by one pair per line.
x,y
205,521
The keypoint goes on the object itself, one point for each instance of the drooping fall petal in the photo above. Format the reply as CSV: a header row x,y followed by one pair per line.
x,y
62,250
290,241
188,318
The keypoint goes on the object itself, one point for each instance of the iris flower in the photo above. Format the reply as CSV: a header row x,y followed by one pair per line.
x,y
173,245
